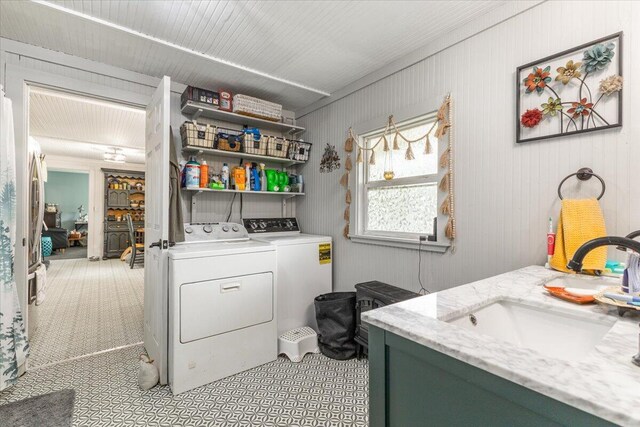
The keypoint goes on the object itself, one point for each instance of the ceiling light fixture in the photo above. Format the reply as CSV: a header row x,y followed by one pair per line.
x,y
177,46
115,156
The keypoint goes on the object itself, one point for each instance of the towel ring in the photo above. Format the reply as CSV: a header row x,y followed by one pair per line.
x,y
583,174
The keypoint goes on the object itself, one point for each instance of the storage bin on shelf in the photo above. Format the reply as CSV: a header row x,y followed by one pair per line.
x,y
229,140
253,146
299,151
203,96
254,107
195,135
277,147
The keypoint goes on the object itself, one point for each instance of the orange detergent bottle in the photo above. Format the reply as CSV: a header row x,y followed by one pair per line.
x,y
239,177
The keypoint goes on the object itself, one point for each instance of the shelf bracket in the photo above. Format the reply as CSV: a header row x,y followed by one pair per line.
x,y
197,114
284,207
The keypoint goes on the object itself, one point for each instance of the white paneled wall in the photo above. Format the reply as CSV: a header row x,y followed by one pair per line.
x,y
505,191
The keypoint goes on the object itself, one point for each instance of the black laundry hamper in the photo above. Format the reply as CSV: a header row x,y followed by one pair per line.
x,y
336,317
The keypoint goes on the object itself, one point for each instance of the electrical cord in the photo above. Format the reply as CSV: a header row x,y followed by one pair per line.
x,y
422,290
234,199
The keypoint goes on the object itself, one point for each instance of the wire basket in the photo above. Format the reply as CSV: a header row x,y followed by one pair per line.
x,y
277,147
299,150
195,135
229,140
254,107
253,146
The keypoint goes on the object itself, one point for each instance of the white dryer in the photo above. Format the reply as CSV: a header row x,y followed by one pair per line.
x,y
304,268
222,305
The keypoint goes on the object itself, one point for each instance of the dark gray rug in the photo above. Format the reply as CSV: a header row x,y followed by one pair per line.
x,y
73,252
48,410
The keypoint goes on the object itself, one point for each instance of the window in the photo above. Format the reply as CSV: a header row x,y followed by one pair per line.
x,y
404,207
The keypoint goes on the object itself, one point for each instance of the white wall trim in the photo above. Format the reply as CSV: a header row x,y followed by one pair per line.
x,y
17,89
471,29
75,62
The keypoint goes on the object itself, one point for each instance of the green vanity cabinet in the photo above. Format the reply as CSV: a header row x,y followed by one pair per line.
x,y
413,385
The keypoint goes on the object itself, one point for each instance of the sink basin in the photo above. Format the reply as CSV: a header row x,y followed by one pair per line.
x,y
551,332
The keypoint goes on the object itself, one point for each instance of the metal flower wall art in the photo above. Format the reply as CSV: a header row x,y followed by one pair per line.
x,y
575,91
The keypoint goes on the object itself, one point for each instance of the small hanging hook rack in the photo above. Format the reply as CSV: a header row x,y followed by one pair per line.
x,y
583,174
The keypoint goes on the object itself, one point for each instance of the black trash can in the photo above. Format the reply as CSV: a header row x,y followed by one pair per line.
x,y
336,317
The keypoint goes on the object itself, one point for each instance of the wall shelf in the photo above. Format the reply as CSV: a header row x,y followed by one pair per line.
x,y
283,194
196,110
238,155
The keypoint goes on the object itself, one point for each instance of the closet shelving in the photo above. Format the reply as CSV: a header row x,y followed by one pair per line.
x,y
286,195
196,110
254,157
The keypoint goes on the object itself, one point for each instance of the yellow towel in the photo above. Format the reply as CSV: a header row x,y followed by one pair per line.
x,y
580,221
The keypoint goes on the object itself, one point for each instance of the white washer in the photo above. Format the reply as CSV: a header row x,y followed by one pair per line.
x,y
222,305
304,268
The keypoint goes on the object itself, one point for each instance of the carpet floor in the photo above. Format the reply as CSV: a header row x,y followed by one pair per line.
x,y
89,307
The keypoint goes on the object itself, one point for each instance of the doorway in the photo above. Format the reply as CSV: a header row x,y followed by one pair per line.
x,y
66,198
86,299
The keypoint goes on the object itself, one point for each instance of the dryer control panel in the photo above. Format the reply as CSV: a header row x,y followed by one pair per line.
x,y
214,232
271,225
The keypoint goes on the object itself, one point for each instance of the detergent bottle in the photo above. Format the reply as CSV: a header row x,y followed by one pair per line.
x,y
272,180
204,174
263,178
225,176
192,173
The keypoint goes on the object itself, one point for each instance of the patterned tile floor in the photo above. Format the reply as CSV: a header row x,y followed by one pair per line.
x,y
89,307
96,306
315,392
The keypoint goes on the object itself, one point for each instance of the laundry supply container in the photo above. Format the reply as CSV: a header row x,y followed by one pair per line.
x,y
336,318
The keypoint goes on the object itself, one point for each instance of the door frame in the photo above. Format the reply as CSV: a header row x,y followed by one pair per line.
x,y
18,82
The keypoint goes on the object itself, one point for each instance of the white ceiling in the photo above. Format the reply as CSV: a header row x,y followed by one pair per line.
x,y
69,125
324,45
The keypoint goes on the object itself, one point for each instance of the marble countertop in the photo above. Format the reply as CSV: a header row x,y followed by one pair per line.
x,y
604,383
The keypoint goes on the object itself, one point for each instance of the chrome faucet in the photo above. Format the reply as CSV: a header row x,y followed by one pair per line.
x,y
621,242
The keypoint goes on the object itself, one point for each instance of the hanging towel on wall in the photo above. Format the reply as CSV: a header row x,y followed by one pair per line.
x,y
14,347
580,221
176,225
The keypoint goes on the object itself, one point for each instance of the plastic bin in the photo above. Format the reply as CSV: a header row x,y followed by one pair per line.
x,y
336,317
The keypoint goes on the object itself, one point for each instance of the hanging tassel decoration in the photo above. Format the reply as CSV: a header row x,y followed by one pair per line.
x,y
427,146
344,181
348,144
445,207
348,197
346,214
347,163
372,158
444,183
444,159
409,154
345,232
359,158
385,142
449,230
395,142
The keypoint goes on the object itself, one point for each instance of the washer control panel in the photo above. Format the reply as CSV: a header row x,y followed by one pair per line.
x,y
271,225
214,231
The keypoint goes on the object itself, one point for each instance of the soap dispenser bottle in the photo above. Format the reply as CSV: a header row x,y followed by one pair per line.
x,y
263,178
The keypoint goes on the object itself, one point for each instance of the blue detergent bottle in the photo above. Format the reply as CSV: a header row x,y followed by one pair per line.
x,y
255,178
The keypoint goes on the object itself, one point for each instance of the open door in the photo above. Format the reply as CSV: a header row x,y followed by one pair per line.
x,y
156,227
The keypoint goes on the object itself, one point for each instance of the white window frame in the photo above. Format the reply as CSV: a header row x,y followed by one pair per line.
x,y
359,232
